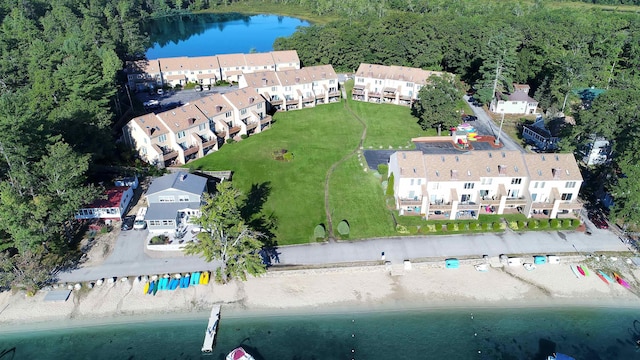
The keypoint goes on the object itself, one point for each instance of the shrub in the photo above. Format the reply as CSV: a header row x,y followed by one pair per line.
x,y
513,225
383,169
159,240
521,224
178,87
554,223
402,229
532,224
244,136
390,186
451,227
320,232
566,223
575,222
497,225
543,224
475,226
486,226
343,228
288,156
230,141
431,227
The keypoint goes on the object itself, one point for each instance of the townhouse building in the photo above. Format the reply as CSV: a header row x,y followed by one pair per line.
x,y
450,186
206,70
397,85
193,130
295,88
517,102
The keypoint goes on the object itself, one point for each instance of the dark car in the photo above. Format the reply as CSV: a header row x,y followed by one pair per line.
x,y
127,223
598,220
467,118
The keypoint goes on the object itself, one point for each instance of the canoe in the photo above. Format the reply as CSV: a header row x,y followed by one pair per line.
x,y
609,279
586,270
602,278
580,270
146,288
621,281
575,271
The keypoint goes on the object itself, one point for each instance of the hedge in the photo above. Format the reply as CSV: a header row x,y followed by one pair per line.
x,y
320,232
390,186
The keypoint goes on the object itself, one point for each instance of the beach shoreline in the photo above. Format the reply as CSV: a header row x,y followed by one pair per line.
x,y
423,286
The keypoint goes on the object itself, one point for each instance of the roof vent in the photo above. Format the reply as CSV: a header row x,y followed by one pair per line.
x,y
567,171
442,157
539,172
490,155
543,158
183,177
557,158
468,172
457,158
437,173
404,155
414,170
515,168
504,154
488,169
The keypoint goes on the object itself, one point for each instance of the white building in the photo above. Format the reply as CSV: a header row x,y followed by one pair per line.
x,y
465,185
518,102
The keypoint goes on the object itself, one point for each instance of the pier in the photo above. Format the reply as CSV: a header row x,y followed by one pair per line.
x,y
212,330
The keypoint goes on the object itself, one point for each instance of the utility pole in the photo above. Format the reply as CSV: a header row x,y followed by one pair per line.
x,y
495,81
497,142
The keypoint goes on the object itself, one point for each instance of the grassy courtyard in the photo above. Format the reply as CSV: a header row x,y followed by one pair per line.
x,y
318,138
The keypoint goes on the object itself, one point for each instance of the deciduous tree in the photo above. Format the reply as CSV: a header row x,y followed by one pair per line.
x,y
436,107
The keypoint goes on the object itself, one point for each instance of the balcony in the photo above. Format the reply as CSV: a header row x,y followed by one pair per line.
x,y
309,99
405,97
234,130
337,93
468,206
516,201
415,201
374,95
440,206
542,206
276,101
570,205
209,143
170,154
265,120
191,150
358,90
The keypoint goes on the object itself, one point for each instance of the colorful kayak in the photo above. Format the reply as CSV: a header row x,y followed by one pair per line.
x,y
586,270
621,281
609,279
602,278
580,270
205,278
146,288
194,279
155,288
575,271
184,283
152,285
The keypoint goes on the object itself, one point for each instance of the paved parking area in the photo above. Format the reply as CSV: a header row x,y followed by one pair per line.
x,y
172,99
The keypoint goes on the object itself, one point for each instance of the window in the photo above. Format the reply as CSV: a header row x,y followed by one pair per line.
x,y
409,84
273,88
486,181
484,193
419,181
516,181
542,185
332,81
465,197
567,196
259,105
287,88
513,193
533,197
412,181
181,134
435,186
154,222
166,198
468,185
243,111
162,138
360,80
535,185
144,150
202,127
228,114
570,184
183,198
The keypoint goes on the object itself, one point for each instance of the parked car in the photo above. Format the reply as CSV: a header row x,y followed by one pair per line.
x,y
127,223
160,92
467,118
598,219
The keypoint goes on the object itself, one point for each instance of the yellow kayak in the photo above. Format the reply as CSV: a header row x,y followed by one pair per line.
x,y
204,278
146,288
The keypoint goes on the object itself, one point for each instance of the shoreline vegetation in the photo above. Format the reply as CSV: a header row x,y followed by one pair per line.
x,y
426,286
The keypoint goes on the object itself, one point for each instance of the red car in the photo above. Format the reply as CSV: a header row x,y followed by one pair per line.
x,y
598,220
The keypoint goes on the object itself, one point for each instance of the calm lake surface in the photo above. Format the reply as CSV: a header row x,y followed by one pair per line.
x,y
584,333
213,34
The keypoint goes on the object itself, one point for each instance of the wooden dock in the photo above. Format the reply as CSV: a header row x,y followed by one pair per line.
x,y
212,330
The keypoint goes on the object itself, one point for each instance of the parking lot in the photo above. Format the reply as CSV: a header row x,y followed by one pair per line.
x,y
171,99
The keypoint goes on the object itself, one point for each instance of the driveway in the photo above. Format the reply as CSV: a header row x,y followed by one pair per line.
x,y
486,126
172,99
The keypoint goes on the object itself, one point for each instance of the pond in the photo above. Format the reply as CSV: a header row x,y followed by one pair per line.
x,y
213,34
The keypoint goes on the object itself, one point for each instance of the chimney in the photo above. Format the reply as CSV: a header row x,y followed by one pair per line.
x,y
264,82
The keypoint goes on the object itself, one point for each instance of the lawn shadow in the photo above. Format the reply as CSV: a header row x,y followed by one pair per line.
x,y
266,224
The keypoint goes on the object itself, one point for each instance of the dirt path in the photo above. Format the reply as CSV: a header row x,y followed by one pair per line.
x,y
327,207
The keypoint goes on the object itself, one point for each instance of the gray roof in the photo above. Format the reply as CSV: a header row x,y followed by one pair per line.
x,y
166,211
182,181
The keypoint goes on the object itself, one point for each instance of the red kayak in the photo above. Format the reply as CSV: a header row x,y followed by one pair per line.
x,y
602,278
621,281
580,270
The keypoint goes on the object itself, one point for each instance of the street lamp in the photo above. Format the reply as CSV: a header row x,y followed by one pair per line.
x,y
497,142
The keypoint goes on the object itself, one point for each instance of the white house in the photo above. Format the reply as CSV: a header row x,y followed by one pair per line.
x,y
454,186
113,206
518,102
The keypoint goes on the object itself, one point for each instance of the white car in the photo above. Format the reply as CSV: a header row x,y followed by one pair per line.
x,y
151,103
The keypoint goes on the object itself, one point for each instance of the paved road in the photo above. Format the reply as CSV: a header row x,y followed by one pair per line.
x,y
485,126
129,257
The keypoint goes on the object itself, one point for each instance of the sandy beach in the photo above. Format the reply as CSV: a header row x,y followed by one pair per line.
x,y
424,285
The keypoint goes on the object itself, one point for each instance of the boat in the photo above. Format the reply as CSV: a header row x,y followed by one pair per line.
x,y
621,281
152,285
184,282
529,266
607,277
239,354
580,270
602,278
575,271
482,267
155,288
586,270
146,287
204,278
194,278
559,356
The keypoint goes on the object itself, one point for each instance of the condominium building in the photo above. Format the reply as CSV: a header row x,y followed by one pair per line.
x,y
191,131
206,70
397,85
295,88
453,186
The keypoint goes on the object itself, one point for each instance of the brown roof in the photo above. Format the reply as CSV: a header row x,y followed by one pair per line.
x,y
204,63
552,167
285,56
521,96
400,73
262,79
232,60
183,117
143,66
321,72
175,63
294,77
474,165
259,59
151,125
243,98
213,105
411,164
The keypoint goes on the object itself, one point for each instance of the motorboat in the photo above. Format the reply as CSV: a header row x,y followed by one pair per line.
x,y
239,354
559,356
529,266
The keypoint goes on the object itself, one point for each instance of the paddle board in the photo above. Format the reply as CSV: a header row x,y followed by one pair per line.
x,y
586,270
607,277
146,288
580,270
185,281
621,281
151,286
206,277
194,279
575,271
155,288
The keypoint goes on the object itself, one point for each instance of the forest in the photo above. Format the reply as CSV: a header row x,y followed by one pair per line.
x,y
62,89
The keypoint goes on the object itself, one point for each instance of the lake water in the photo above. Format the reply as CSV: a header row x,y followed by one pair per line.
x,y
213,34
584,333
